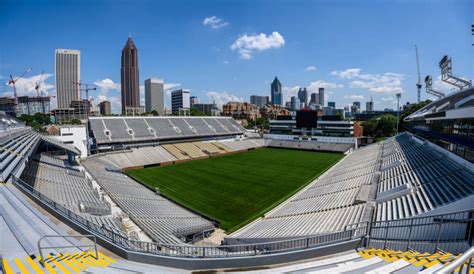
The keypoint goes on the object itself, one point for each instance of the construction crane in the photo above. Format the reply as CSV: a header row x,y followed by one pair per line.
x,y
13,81
429,88
418,84
38,85
88,87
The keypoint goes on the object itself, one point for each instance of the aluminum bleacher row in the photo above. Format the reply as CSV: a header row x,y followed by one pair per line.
x,y
317,146
109,130
161,219
417,179
330,203
16,147
65,186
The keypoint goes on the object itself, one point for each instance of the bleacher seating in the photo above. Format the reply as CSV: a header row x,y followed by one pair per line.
x,y
310,145
434,180
161,219
108,130
65,186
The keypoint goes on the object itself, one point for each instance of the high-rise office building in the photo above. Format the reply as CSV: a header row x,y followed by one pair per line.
x,y
31,105
259,101
314,98
105,108
180,99
277,97
369,106
130,89
68,72
154,93
332,104
357,104
321,96
295,103
194,100
303,96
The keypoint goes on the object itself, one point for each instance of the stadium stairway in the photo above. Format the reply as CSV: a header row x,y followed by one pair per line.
x,y
77,262
374,261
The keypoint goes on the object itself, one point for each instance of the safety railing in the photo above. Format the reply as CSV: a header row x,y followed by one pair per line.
x,y
78,246
450,232
353,231
464,262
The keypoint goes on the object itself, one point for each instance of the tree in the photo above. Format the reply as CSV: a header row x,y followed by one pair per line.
x,y
195,112
154,113
386,125
370,127
75,121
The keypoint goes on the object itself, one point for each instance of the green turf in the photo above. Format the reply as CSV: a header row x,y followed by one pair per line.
x,y
235,189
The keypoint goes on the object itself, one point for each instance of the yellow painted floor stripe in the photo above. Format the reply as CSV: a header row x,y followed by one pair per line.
x,y
34,265
439,260
100,259
47,266
80,257
76,262
107,257
68,263
6,267
427,259
58,265
97,262
21,266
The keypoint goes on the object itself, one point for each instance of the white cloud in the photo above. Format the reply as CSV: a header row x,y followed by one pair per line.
x,y
288,92
221,98
354,97
348,73
247,45
214,22
169,87
388,83
315,85
226,62
26,86
310,68
107,84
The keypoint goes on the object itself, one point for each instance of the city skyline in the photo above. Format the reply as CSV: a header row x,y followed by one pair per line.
x,y
233,58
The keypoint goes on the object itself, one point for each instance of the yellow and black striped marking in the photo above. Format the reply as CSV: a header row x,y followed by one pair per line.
x,y
426,260
67,263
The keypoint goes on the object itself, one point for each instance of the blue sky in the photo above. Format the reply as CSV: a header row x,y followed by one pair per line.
x,y
353,48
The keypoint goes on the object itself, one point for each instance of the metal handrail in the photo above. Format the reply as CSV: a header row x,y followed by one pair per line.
x,y
40,248
460,261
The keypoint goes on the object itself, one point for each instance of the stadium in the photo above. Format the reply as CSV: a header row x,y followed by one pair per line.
x,y
179,193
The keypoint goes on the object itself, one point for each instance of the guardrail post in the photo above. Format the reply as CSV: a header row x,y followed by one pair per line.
x,y
439,234
409,234
386,234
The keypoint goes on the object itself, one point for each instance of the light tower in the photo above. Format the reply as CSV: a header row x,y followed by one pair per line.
x,y
446,74
398,109
429,88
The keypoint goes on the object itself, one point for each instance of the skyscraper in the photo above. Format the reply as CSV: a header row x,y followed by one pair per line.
x,y
303,96
314,98
321,96
180,99
154,96
295,103
259,101
276,92
194,100
68,72
104,108
130,89
369,106
332,104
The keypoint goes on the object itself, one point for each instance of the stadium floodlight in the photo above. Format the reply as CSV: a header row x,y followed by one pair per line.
x,y
429,88
399,95
447,76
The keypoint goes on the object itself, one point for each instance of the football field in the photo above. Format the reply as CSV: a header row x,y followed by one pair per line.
x,y
237,188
